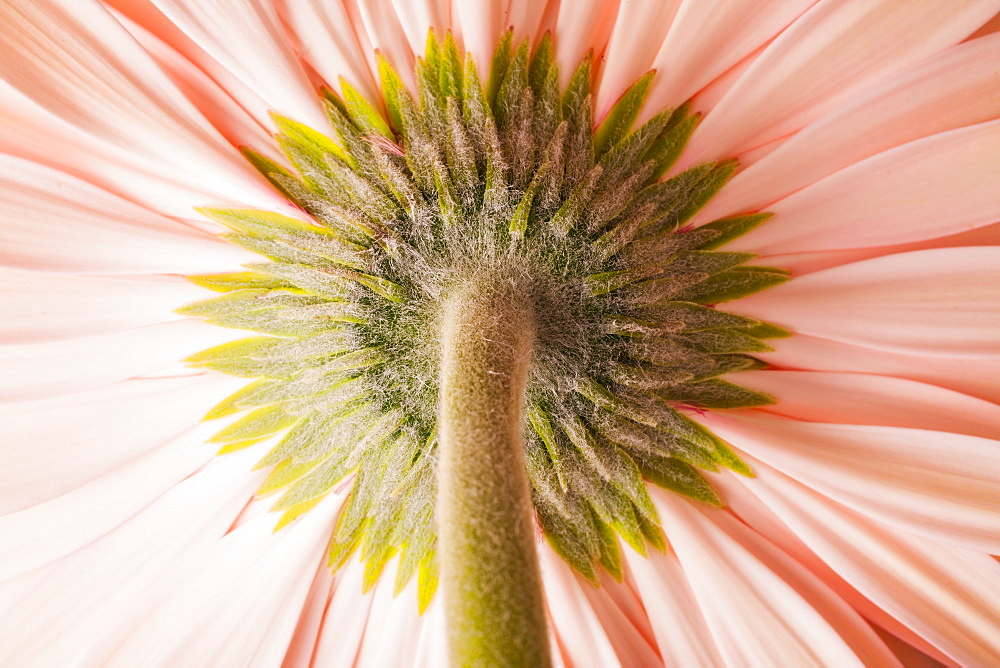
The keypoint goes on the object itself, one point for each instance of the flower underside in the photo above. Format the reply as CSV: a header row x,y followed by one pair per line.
x,y
506,182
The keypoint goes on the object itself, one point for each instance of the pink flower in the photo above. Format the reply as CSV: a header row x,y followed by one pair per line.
x,y
869,128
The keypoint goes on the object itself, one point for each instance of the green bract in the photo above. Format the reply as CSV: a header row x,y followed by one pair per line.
x,y
506,181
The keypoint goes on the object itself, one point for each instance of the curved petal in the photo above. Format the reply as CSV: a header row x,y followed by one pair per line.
x,y
705,40
480,24
79,64
975,376
53,368
109,577
854,398
928,188
55,222
393,636
583,26
762,607
956,88
246,37
945,594
41,306
54,446
681,631
935,484
332,43
248,588
418,16
385,33
943,301
635,40
347,615
303,643
825,57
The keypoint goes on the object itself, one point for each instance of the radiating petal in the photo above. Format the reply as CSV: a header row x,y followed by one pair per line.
x,y
303,643
246,37
705,40
480,24
40,306
681,631
928,188
53,446
763,608
825,57
935,484
975,376
108,578
634,42
55,222
958,87
248,588
582,27
946,594
418,16
331,43
346,617
943,301
386,34
393,635
849,398
77,62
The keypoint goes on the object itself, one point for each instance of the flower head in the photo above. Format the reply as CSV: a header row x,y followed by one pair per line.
x,y
394,187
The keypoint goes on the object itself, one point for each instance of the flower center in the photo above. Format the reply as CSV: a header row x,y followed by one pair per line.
x,y
504,184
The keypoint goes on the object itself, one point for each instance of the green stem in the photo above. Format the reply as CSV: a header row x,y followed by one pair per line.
x,y
491,583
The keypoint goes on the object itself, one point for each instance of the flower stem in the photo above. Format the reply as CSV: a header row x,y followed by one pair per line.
x,y
491,583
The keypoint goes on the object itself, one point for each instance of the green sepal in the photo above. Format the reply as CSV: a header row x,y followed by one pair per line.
x,y
236,280
669,146
611,554
653,534
277,175
502,57
315,146
733,284
427,581
620,119
394,92
732,228
237,358
715,393
231,404
261,422
721,341
676,476
691,317
767,330
296,512
609,281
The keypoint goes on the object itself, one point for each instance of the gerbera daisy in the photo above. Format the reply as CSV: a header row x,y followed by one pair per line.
x,y
583,333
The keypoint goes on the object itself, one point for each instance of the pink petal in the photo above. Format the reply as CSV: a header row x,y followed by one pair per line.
x,y
958,87
480,24
433,650
935,484
392,637
55,222
635,40
762,607
346,617
303,643
418,16
246,37
849,398
41,534
945,594
681,631
624,620
581,639
42,307
705,40
332,43
582,27
56,445
77,62
385,33
824,58
52,368
525,17
974,376
248,588
928,188
937,302
111,576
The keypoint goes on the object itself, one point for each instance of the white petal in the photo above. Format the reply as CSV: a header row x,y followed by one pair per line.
x,y
928,188
958,87
936,484
946,594
762,607
41,306
346,617
822,59
108,578
76,61
54,446
247,589
55,222
943,301
681,631
246,37
392,636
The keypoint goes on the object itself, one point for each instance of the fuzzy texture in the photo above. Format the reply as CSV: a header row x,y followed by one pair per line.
x,y
505,182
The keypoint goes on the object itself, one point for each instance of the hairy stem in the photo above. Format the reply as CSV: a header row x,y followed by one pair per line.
x,y
490,577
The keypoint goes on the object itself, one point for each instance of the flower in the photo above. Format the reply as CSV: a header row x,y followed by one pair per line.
x,y
868,129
